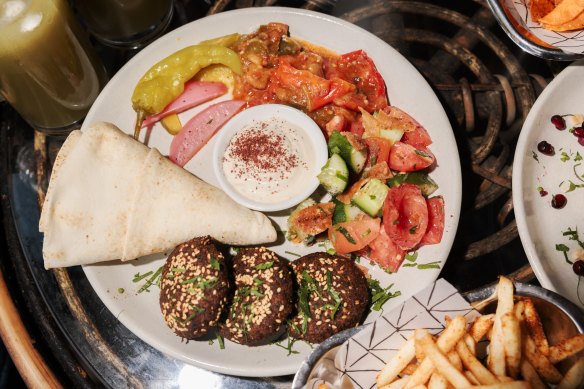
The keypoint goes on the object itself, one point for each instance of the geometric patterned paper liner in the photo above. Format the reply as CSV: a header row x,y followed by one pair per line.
x,y
572,42
355,363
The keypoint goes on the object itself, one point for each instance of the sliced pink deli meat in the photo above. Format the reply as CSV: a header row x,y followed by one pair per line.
x,y
197,131
194,94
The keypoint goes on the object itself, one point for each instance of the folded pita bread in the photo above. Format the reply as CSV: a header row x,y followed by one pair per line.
x,y
111,197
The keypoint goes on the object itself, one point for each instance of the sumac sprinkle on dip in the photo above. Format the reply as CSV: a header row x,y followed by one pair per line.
x,y
268,160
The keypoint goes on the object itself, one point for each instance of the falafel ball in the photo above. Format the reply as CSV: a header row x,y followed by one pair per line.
x,y
263,298
194,288
332,296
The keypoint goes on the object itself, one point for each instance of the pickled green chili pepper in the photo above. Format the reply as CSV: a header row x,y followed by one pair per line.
x,y
164,81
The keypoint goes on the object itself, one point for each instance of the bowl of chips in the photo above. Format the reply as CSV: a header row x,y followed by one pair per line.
x,y
549,29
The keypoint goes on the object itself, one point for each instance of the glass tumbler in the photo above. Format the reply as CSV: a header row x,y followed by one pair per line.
x,y
49,72
126,24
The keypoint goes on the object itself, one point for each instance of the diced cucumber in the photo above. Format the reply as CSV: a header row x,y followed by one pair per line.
x,y
345,212
371,196
427,185
339,144
397,180
334,175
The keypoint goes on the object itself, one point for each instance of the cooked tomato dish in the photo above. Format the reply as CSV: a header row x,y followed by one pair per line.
x,y
330,88
378,171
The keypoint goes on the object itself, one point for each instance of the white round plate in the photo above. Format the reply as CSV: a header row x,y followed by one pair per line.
x,y
406,88
540,225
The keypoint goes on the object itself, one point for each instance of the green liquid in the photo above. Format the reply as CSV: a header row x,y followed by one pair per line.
x,y
48,70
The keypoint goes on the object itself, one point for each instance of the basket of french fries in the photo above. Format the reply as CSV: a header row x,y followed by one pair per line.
x,y
527,337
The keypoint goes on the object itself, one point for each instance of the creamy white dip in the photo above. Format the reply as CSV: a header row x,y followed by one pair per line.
x,y
269,161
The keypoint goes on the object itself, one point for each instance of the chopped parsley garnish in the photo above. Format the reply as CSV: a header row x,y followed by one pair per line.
x,y
429,265
121,290
291,253
412,256
191,280
534,155
334,294
571,234
413,229
422,154
564,157
264,266
380,295
215,264
139,277
564,250
153,280
221,342
346,234
288,347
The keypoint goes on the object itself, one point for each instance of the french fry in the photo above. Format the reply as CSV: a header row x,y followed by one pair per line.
x,y
519,310
541,364
439,360
437,381
535,327
574,377
496,360
455,360
397,384
470,343
399,361
409,369
512,343
506,385
531,376
519,353
453,332
470,362
472,379
481,326
566,348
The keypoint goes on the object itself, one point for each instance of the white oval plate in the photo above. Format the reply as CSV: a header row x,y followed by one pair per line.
x,y
540,225
406,88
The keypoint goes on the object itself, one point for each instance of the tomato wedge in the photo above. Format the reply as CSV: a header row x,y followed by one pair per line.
x,y
348,237
418,137
197,131
386,253
194,94
405,215
407,158
435,221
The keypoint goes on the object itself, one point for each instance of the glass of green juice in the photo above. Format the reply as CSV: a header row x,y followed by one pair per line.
x,y
49,72
125,24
